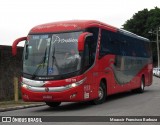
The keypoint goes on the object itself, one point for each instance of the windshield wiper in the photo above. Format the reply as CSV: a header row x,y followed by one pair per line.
x,y
41,63
54,59
53,56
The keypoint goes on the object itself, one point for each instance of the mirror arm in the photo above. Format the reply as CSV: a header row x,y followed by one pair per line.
x,y
15,43
81,40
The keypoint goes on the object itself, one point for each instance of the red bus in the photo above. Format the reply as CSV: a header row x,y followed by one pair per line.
x,y
84,60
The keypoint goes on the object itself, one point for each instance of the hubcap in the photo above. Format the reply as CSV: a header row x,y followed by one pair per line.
x,y
100,93
142,86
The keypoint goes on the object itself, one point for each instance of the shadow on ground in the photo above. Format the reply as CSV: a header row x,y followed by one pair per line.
x,y
83,105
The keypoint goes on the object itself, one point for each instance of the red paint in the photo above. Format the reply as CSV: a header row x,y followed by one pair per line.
x,y
113,86
15,43
94,75
70,26
81,40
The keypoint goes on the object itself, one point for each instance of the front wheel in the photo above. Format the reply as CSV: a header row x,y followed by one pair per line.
x,y
53,104
101,94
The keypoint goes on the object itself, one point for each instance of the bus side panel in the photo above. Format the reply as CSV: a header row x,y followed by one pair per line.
x,y
106,71
123,78
149,75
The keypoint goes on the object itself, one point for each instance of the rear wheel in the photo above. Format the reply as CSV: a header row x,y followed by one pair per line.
x,y
101,94
53,104
141,88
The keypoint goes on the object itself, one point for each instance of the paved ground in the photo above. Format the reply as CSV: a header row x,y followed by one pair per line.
x,y
20,104
125,104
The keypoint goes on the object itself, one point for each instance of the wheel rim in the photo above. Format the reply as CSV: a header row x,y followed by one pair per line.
x,y
100,93
142,85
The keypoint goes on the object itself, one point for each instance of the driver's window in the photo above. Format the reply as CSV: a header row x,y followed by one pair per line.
x,y
92,40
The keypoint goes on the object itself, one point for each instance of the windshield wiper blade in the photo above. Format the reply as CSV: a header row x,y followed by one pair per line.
x,y
54,59
42,62
53,56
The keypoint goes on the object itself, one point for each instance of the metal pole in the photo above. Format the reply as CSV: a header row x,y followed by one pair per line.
x,y
158,46
15,89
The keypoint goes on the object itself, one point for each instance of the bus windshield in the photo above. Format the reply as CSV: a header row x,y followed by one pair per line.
x,y
51,54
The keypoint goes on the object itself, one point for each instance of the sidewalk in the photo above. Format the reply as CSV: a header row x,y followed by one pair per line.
x,y
12,105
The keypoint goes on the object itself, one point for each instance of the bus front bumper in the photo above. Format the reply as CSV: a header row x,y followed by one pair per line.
x,y
74,92
70,95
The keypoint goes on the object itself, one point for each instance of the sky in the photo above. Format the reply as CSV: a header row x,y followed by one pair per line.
x,y
17,17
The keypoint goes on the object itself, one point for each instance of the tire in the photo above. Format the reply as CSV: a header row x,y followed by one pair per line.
x,y
141,88
102,94
53,104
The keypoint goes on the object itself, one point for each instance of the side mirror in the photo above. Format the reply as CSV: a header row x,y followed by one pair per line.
x,y
15,43
81,40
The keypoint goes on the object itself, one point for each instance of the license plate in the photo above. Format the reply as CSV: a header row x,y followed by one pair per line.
x,y
47,97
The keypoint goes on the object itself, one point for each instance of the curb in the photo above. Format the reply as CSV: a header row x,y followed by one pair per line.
x,y
20,107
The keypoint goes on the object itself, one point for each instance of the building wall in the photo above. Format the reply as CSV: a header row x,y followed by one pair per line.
x,y
9,67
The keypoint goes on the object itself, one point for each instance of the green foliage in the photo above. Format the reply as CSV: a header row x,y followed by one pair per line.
x,y
144,21
153,20
137,24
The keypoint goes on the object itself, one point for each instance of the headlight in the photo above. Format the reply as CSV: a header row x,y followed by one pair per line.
x,y
52,89
76,83
30,82
24,85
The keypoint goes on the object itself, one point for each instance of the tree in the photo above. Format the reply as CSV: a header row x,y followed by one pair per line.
x,y
143,22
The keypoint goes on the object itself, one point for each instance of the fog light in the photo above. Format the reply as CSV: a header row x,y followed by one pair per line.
x,y
73,95
25,96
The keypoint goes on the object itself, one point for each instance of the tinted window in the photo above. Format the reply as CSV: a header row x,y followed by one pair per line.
x,y
120,44
92,42
110,43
